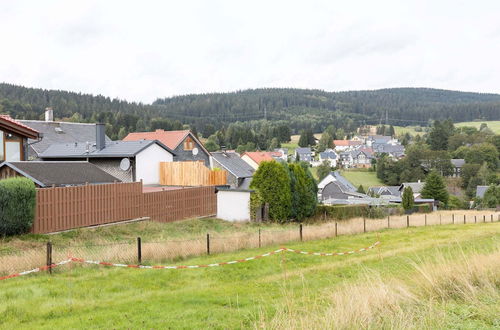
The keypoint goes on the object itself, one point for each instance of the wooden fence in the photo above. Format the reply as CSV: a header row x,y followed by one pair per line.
x,y
190,174
63,208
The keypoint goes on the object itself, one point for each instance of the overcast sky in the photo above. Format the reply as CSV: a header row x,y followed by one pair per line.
x,y
141,50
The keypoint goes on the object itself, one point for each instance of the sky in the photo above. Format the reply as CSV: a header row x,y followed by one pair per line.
x,y
143,50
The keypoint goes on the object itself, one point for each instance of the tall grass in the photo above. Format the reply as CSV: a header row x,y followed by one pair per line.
x,y
431,297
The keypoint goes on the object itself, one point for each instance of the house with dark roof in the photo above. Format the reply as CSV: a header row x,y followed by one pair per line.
x,y
58,174
334,186
57,132
330,156
239,172
415,186
457,167
128,161
384,191
184,144
14,139
303,154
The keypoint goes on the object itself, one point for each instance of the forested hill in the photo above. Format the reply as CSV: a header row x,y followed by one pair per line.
x,y
299,108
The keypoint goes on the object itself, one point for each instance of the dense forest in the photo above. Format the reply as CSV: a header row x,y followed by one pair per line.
x,y
297,108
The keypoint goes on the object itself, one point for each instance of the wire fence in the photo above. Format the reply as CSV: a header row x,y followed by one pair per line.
x,y
144,251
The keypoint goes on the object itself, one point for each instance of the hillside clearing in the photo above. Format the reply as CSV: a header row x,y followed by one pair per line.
x,y
362,177
494,125
256,293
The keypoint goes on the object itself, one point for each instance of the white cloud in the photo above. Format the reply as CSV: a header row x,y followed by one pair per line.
x,y
143,50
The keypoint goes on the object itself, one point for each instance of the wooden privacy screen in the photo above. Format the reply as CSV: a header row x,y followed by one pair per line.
x,y
190,174
64,208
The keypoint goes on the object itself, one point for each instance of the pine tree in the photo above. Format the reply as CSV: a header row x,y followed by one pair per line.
x,y
325,142
361,189
408,199
435,188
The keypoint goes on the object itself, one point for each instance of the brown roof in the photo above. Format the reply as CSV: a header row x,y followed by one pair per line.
x,y
7,122
169,138
261,156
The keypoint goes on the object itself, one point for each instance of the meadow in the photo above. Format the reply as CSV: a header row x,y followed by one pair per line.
x,y
424,277
362,177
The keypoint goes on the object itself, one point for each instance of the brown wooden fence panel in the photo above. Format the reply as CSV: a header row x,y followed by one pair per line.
x,y
172,205
190,174
63,208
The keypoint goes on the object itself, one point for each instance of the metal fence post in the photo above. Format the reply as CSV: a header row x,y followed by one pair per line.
x,y
300,232
49,257
139,250
208,243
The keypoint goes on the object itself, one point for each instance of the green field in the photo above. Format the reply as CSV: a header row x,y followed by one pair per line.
x,y
280,291
494,125
362,177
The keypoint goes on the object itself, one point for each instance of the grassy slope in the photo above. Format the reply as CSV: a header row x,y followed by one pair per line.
x,y
362,177
493,125
231,296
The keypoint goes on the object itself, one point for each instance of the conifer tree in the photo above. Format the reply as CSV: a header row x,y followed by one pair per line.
x,y
435,188
408,200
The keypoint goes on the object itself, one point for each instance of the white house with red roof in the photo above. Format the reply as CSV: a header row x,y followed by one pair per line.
x,y
184,144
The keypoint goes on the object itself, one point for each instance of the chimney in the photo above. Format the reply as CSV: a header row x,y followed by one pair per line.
x,y
49,114
100,137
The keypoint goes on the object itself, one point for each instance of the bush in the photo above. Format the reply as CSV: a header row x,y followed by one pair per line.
x,y
344,212
17,206
423,208
456,203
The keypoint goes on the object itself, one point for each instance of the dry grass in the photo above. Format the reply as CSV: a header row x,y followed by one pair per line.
x,y
33,254
417,301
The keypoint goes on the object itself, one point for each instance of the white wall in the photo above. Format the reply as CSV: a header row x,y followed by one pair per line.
x,y
233,205
147,163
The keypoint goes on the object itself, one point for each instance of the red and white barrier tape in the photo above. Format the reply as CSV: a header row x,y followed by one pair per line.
x,y
280,250
36,270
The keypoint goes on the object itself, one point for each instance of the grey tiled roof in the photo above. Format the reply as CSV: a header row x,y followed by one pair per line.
x,y
415,186
112,149
47,174
303,150
233,163
480,190
393,190
345,184
328,155
458,162
60,132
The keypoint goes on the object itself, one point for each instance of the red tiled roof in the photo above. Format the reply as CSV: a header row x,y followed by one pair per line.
x,y
169,138
9,121
346,143
261,156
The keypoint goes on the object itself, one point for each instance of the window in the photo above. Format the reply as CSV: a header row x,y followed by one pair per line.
x,y
13,145
188,143
1,146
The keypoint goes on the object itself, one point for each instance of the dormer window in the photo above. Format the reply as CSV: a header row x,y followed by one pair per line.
x,y
188,143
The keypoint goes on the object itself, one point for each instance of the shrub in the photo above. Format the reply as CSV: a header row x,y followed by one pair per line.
x,y
17,206
456,203
423,208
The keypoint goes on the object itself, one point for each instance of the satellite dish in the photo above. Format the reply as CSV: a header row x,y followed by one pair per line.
x,y
195,151
125,164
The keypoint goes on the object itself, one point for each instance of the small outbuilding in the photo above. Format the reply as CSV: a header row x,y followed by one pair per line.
x,y
233,204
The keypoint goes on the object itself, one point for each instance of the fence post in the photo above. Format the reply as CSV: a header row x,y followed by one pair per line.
x,y
300,232
440,219
388,222
208,243
259,239
364,225
139,250
475,219
453,218
425,219
49,257
407,221
491,218
336,229
464,220
484,218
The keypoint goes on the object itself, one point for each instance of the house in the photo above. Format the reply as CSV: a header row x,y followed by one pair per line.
x,y
384,191
184,144
254,158
335,186
57,132
345,159
361,158
303,154
457,167
14,139
342,145
233,204
394,151
330,156
59,174
128,161
415,186
239,172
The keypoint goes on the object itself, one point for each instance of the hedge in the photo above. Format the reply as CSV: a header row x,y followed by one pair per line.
x,y
17,206
343,212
